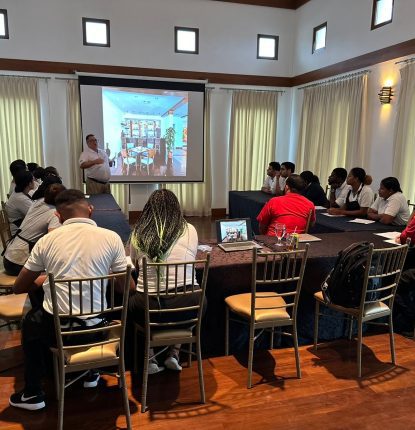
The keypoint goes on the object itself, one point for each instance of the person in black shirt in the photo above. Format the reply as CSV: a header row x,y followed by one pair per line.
x,y
313,191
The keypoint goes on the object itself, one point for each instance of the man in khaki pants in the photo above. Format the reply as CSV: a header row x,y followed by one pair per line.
x,y
96,165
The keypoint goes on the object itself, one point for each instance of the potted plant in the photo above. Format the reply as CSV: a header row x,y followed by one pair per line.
x,y
169,138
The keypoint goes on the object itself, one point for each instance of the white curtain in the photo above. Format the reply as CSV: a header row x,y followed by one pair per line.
x,y
404,142
20,125
196,199
331,127
253,137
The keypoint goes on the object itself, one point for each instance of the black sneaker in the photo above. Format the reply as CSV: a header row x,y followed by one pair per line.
x,y
91,379
27,401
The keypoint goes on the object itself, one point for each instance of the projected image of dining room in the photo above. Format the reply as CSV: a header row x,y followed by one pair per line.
x,y
145,131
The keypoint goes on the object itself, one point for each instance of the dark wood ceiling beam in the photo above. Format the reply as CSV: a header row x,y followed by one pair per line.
x,y
282,4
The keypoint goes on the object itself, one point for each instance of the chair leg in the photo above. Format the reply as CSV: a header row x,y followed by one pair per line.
x,y
251,354
200,370
226,330
189,359
359,347
392,340
145,376
350,328
297,352
135,351
61,397
271,340
125,394
316,317
56,375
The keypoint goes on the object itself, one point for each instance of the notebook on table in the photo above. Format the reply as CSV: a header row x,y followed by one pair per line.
x,y
235,235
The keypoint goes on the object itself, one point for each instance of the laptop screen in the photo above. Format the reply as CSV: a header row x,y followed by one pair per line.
x,y
233,230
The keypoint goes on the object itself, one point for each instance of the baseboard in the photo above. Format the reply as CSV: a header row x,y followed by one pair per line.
x,y
133,216
218,213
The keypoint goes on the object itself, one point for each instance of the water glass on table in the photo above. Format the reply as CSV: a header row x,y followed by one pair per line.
x,y
280,233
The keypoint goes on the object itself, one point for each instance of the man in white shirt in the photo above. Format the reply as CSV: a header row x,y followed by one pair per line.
x,y
77,249
95,163
273,174
287,169
338,187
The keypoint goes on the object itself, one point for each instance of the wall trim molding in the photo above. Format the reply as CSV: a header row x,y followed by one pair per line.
x,y
385,54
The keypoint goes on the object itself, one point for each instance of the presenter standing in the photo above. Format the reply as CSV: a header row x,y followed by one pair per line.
x,y
95,163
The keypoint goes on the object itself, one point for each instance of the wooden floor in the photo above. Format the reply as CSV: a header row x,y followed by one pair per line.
x,y
327,397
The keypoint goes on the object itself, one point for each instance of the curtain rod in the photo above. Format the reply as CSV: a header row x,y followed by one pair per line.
x,y
39,77
409,60
245,89
332,80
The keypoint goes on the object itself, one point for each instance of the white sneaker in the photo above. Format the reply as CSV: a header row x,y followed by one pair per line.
x,y
172,363
153,368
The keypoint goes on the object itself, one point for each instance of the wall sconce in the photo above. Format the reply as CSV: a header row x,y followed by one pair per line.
x,y
385,95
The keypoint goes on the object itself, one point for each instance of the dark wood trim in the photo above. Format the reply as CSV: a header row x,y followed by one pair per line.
x,y
281,4
356,63
71,68
385,54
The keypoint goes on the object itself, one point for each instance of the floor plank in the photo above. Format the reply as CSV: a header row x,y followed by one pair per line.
x,y
328,396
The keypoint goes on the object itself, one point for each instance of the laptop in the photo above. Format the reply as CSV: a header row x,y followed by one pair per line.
x,y
235,235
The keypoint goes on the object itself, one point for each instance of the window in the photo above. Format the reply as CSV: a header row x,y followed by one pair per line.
x,y
186,40
96,32
4,26
267,47
319,37
382,13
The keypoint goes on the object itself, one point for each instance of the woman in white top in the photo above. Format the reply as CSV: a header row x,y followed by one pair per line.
x,y
391,207
40,219
20,201
360,196
162,234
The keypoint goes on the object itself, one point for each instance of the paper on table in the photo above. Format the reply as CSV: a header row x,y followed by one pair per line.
x,y
389,234
392,241
362,221
305,237
320,207
327,214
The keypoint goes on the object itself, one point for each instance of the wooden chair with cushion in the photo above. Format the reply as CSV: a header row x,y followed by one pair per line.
x,y
383,269
128,160
273,301
104,352
181,329
147,159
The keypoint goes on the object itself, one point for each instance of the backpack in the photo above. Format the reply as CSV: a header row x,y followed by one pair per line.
x,y
343,286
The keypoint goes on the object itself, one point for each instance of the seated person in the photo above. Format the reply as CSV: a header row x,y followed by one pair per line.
x,y
15,167
39,220
177,241
287,169
391,207
77,249
48,179
359,197
291,209
409,232
20,201
273,174
338,187
313,190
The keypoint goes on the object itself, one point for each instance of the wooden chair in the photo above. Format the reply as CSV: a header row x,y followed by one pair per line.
x,y
261,310
307,227
384,265
147,159
128,160
6,281
96,354
164,334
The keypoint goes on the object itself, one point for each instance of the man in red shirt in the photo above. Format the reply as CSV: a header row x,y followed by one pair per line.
x,y
291,209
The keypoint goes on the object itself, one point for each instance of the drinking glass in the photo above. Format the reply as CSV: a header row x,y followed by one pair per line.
x,y
279,232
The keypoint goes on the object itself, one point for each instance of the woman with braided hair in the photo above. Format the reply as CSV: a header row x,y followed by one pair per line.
x,y
162,234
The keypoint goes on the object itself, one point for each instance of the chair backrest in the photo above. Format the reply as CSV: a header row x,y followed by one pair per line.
x,y
174,279
89,298
270,270
307,226
5,233
382,273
